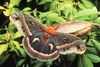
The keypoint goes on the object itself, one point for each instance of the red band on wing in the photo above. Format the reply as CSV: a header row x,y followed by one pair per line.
x,y
67,45
39,54
26,26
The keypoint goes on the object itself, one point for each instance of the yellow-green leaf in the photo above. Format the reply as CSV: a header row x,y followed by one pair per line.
x,y
17,34
85,12
2,8
81,6
26,9
14,2
7,12
55,17
3,48
16,43
88,3
44,1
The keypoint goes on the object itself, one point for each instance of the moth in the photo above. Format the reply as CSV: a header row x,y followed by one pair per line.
x,y
42,42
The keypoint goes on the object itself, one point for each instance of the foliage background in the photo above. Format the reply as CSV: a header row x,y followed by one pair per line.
x,y
49,12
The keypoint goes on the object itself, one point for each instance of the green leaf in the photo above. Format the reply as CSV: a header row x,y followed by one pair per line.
x,y
37,64
23,53
81,6
68,11
91,50
86,12
2,38
26,9
20,62
54,17
14,10
20,52
35,12
3,48
48,63
88,4
17,35
86,61
12,28
98,20
85,18
16,43
80,62
3,58
71,57
29,0
74,11
28,12
2,8
52,6
48,23
14,2
94,16
44,14
16,51
96,44
7,12
89,43
94,58
44,1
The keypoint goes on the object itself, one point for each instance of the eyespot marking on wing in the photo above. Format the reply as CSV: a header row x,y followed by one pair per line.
x,y
32,23
36,39
51,46
65,38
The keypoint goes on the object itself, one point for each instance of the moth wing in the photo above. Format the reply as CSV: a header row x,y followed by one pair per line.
x,y
76,28
35,47
68,44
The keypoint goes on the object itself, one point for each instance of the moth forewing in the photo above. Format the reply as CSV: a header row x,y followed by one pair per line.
x,y
75,28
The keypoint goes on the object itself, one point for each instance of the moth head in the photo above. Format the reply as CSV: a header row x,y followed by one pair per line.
x,y
16,19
